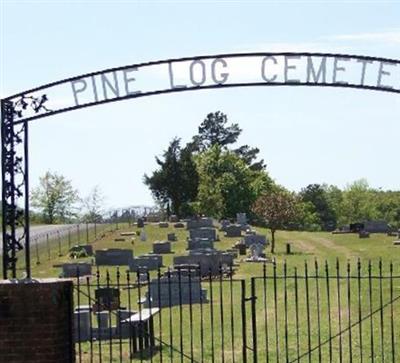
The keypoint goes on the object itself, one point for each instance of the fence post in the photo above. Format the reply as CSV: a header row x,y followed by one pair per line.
x,y
48,246
244,329
59,244
253,317
87,232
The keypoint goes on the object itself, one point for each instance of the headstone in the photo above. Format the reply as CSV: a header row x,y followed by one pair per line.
x,y
140,223
203,232
103,330
256,253
114,257
173,218
363,234
171,237
199,223
233,230
396,243
143,235
241,218
255,238
172,289
76,269
233,252
107,298
82,323
163,224
200,243
146,262
161,247
208,260
376,227
179,225
119,239
224,223
123,331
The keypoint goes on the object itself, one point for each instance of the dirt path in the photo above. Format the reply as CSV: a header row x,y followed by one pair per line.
x,y
331,245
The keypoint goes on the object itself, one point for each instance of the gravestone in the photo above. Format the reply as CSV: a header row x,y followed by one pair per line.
x,y
177,288
257,253
163,225
179,225
171,237
140,223
203,232
363,234
103,330
73,269
254,238
199,223
123,331
241,218
233,230
161,247
208,260
114,257
146,262
396,243
200,243
173,218
224,223
107,298
82,323
143,236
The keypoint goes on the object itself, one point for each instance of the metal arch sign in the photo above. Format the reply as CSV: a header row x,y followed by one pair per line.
x,y
154,78
208,72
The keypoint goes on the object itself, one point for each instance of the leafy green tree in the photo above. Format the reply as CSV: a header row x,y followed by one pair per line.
x,y
93,204
215,131
277,208
174,183
358,203
316,195
55,198
227,185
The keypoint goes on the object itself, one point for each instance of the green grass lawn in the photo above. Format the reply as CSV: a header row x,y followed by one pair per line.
x,y
214,330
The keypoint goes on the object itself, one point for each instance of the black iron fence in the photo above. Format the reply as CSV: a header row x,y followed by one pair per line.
x,y
289,314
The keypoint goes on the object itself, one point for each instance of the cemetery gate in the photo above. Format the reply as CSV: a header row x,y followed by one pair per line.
x,y
115,84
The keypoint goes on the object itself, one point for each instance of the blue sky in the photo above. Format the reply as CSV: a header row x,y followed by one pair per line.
x,y
306,135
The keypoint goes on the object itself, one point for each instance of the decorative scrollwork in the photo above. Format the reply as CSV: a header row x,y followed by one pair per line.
x,y
37,104
14,180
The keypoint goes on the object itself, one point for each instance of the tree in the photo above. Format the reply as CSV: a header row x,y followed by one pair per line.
x,y
227,185
316,195
358,202
277,209
174,184
55,198
214,131
93,205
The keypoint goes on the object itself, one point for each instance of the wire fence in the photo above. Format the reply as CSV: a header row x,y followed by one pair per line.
x,y
57,242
